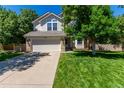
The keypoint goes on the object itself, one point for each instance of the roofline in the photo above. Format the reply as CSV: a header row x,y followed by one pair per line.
x,y
40,17
61,13
42,36
62,34
46,15
49,15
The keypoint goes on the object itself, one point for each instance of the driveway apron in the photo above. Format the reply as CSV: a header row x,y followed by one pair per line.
x,y
40,75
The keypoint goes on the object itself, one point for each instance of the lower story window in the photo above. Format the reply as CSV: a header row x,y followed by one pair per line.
x,y
79,41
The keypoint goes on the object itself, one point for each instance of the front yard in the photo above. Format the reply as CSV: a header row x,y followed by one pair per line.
x,y
6,55
82,70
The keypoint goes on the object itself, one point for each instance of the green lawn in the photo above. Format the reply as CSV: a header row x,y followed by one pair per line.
x,y
6,55
81,69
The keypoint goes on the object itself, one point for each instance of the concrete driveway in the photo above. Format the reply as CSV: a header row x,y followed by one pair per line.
x,y
40,75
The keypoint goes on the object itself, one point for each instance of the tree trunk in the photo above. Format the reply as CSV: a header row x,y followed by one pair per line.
x,y
1,46
88,43
122,46
85,43
93,47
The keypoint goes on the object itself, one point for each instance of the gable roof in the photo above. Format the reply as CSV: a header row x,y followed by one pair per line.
x,y
45,16
60,15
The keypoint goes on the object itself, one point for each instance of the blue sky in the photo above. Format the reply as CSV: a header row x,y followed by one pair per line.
x,y
41,9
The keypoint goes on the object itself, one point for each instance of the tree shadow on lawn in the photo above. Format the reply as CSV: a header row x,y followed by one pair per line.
x,y
106,54
20,63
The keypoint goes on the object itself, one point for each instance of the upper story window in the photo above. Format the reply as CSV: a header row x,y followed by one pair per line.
x,y
52,25
49,27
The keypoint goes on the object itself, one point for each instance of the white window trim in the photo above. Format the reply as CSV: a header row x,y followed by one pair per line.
x,y
51,21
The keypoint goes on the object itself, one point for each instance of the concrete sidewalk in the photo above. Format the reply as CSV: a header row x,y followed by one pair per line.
x,y
40,75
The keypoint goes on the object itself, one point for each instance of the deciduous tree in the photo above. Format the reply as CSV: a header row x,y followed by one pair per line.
x,y
89,22
25,19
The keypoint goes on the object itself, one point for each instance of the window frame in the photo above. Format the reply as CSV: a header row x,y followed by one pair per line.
x,y
52,21
54,27
49,26
79,42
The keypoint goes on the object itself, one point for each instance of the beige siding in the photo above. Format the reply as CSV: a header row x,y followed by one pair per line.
x,y
79,46
42,26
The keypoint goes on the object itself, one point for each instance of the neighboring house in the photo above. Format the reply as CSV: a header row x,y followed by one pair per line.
x,y
48,34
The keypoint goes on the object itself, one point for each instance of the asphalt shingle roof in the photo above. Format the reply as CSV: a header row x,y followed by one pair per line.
x,y
45,33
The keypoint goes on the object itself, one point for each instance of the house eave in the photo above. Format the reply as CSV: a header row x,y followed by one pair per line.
x,y
45,16
45,34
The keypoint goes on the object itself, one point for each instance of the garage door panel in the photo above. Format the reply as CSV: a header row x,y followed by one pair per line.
x,y
48,42
46,45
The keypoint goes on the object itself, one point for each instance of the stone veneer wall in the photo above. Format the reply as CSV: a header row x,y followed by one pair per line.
x,y
103,47
109,47
28,45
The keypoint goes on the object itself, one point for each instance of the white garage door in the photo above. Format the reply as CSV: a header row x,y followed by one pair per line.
x,y
46,45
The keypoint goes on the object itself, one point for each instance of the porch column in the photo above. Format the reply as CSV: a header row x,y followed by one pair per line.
x,y
28,45
75,43
82,44
62,44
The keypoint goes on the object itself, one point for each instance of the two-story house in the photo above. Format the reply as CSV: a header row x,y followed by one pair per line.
x,y
48,35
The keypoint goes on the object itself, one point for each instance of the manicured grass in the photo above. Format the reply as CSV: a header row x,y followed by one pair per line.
x,y
6,55
82,70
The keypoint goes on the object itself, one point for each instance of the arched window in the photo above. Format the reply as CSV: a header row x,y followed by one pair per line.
x,y
52,25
